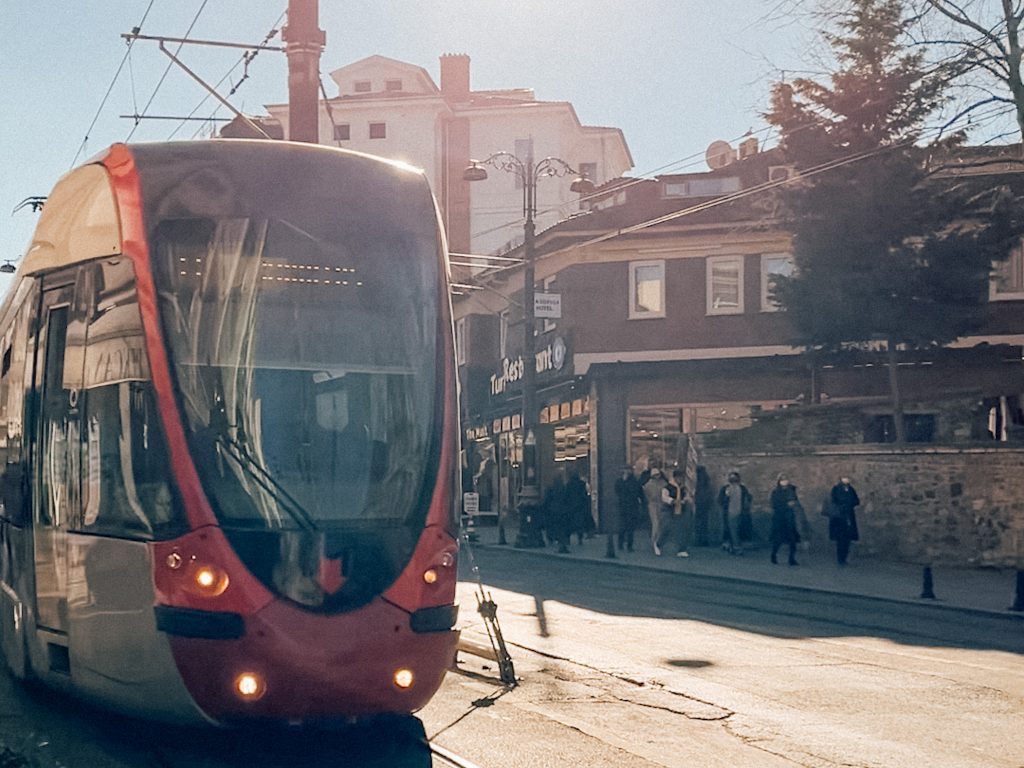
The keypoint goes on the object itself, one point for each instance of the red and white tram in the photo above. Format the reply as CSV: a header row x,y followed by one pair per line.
x,y
228,436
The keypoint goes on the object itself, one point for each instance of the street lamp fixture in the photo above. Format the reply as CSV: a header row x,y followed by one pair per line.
x,y
528,172
7,268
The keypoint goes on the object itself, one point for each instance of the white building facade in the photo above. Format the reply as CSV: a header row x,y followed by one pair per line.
x,y
394,109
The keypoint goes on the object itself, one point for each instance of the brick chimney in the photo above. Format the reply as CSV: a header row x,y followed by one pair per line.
x,y
455,76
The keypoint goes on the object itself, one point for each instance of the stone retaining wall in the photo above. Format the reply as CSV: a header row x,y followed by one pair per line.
x,y
941,505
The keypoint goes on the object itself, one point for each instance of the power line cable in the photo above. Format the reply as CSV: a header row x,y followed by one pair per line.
x,y
988,116
822,168
166,71
113,81
245,59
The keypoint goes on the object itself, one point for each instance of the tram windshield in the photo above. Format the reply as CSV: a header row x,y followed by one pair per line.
x,y
303,342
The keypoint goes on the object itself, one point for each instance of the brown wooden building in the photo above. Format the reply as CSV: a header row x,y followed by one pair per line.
x,y
667,330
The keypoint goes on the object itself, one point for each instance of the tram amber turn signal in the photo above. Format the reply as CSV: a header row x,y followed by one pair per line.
x,y
403,678
211,581
250,686
430,576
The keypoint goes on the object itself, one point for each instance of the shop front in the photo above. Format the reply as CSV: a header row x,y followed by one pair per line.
x,y
494,440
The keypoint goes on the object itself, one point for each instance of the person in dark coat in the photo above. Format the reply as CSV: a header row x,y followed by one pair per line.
x,y
703,502
577,500
556,514
785,514
630,496
842,520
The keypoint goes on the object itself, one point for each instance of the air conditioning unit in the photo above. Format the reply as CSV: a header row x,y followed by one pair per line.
x,y
781,172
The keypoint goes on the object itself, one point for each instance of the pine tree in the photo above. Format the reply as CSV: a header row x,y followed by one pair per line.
x,y
881,249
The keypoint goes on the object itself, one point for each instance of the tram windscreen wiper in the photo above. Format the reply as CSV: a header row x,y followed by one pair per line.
x,y
237,451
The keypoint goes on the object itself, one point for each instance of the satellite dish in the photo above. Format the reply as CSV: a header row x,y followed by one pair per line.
x,y
719,154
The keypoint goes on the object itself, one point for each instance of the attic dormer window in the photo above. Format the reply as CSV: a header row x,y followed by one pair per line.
x,y
363,86
392,85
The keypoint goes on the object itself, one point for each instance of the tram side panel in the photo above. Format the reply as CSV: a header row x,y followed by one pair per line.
x,y
125,500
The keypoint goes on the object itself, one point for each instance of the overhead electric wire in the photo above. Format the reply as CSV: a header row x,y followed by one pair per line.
x,y
246,58
725,199
167,70
117,74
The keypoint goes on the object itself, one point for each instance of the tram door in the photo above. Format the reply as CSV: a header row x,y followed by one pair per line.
x,y
56,448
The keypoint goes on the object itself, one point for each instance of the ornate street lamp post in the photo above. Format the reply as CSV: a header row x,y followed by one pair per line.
x,y
528,172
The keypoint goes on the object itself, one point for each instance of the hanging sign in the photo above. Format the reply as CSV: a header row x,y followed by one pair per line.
x,y
547,305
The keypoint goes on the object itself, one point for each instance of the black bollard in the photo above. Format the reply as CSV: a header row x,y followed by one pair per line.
x,y
1018,599
927,587
609,551
501,532
529,535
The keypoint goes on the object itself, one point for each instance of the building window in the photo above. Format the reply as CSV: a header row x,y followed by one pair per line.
x,y
460,341
342,132
725,285
378,130
548,286
503,334
773,264
363,86
1008,277
392,85
646,289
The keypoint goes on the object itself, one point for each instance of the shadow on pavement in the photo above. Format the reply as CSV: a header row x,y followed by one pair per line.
x,y
386,742
750,606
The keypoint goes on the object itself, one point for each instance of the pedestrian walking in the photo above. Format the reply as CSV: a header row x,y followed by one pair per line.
x,y
631,501
704,501
842,519
677,511
556,514
786,511
652,493
735,501
577,499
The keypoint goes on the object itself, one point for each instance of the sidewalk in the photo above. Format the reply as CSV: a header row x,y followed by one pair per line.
x,y
985,590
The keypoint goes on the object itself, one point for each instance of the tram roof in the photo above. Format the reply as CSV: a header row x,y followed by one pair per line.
x,y
80,219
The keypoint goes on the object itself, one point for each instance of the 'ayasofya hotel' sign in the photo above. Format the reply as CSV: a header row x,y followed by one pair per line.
x,y
550,358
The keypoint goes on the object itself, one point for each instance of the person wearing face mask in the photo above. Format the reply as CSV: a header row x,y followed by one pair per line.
x,y
842,521
785,514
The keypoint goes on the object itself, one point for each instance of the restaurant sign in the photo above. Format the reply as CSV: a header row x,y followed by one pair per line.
x,y
550,358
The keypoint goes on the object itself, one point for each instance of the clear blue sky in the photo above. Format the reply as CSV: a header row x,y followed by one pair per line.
x,y
673,74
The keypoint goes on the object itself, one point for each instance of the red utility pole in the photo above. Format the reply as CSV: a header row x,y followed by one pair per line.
x,y
304,40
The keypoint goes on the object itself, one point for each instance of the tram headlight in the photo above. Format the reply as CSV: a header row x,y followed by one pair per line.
x,y
430,576
250,686
403,678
